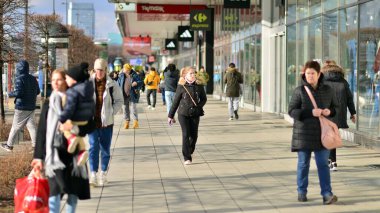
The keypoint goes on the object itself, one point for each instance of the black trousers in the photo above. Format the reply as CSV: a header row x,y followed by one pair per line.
x,y
154,93
333,155
189,126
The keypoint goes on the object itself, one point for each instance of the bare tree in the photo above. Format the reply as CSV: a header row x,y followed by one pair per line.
x,y
42,25
81,47
11,18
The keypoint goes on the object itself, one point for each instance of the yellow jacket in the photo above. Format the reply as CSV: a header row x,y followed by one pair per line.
x,y
152,80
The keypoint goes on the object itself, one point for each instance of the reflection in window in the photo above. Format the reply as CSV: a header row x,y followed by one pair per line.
x,y
345,2
302,9
291,11
291,71
330,36
315,7
369,67
315,39
329,4
302,41
348,48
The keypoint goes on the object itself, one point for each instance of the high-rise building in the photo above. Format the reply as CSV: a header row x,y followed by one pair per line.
x,y
82,16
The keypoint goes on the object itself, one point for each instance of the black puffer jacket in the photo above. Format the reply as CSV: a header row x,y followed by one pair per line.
x,y
182,100
306,128
334,77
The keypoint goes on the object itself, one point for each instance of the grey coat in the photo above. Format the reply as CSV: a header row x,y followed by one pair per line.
x,y
306,127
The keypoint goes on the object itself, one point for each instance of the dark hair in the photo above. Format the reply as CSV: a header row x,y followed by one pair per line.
x,y
171,67
153,69
232,65
313,65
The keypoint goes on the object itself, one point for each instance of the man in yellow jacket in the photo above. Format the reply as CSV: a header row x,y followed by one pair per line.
x,y
152,81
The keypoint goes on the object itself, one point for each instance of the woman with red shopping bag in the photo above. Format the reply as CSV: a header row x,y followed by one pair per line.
x,y
61,169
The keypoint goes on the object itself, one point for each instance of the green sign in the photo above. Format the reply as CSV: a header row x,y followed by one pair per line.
x,y
230,20
200,20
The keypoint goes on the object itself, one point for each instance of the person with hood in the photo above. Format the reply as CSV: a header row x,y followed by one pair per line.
x,y
203,77
78,108
233,79
130,83
108,101
189,99
171,76
334,77
151,81
25,93
306,136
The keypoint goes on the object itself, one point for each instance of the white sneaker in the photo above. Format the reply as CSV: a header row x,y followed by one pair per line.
x,y
102,178
149,107
231,118
153,108
93,179
188,162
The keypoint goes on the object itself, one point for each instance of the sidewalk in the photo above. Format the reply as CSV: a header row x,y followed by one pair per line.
x,y
242,165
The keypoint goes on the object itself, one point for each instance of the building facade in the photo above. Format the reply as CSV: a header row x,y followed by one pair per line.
x,y
82,16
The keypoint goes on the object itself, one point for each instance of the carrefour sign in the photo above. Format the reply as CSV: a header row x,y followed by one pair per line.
x,y
200,20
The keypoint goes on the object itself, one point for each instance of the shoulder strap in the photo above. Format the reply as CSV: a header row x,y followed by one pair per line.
x,y
111,94
190,95
311,97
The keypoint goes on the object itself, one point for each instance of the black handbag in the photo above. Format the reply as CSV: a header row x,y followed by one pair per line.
x,y
59,141
194,110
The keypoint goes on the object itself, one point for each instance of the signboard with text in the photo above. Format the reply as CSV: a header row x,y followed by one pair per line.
x,y
230,20
200,20
137,45
237,4
165,12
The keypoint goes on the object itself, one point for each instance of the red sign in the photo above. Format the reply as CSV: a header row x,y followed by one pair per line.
x,y
137,45
167,8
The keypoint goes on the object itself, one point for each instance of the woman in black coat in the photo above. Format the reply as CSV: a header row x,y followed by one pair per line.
x,y
188,91
61,169
307,130
334,77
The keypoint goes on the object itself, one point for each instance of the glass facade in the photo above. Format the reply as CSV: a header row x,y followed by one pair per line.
x,y
242,47
347,31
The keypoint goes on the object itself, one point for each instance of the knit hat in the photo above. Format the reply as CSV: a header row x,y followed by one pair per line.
x,y
127,67
100,64
77,73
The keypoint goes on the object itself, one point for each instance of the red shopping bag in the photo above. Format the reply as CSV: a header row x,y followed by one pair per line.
x,y
31,195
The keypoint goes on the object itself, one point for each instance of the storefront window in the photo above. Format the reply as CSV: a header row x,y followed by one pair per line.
x,y
302,7
329,4
315,39
345,2
291,11
302,41
291,71
348,48
257,97
315,7
330,36
369,67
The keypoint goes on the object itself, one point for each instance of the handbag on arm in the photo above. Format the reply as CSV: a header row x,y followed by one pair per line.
x,y
330,135
195,110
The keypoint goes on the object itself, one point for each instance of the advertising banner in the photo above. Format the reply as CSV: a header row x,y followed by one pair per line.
x,y
137,45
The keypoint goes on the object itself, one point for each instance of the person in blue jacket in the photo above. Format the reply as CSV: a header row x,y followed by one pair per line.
x,y
130,83
25,94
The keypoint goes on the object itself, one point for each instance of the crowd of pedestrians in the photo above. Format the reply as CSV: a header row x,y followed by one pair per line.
x,y
85,102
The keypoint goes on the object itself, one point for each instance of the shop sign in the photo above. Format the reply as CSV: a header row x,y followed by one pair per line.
x,y
185,34
200,20
230,20
237,4
171,44
167,8
138,45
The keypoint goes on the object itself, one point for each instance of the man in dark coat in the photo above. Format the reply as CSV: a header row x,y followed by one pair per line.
x,y
233,79
25,93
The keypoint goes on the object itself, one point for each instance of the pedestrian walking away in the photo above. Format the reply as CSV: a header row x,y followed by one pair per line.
x,y
334,77
108,101
189,99
306,136
61,168
233,79
203,77
130,83
25,94
171,76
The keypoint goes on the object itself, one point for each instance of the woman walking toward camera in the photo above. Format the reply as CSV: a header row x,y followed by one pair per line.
x,y
307,130
189,99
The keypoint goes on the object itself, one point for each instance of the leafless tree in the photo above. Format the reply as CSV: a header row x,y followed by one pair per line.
x,y
42,25
11,20
81,47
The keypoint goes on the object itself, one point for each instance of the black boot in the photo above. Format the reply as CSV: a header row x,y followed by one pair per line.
x,y
236,114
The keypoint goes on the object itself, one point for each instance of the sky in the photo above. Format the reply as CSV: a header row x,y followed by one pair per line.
x,y
104,13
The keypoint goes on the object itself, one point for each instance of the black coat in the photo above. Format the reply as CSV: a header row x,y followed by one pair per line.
x,y
344,97
63,182
183,102
306,127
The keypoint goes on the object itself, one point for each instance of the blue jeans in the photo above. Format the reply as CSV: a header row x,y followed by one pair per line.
x,y
100,140
55,203
169,97
321,159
